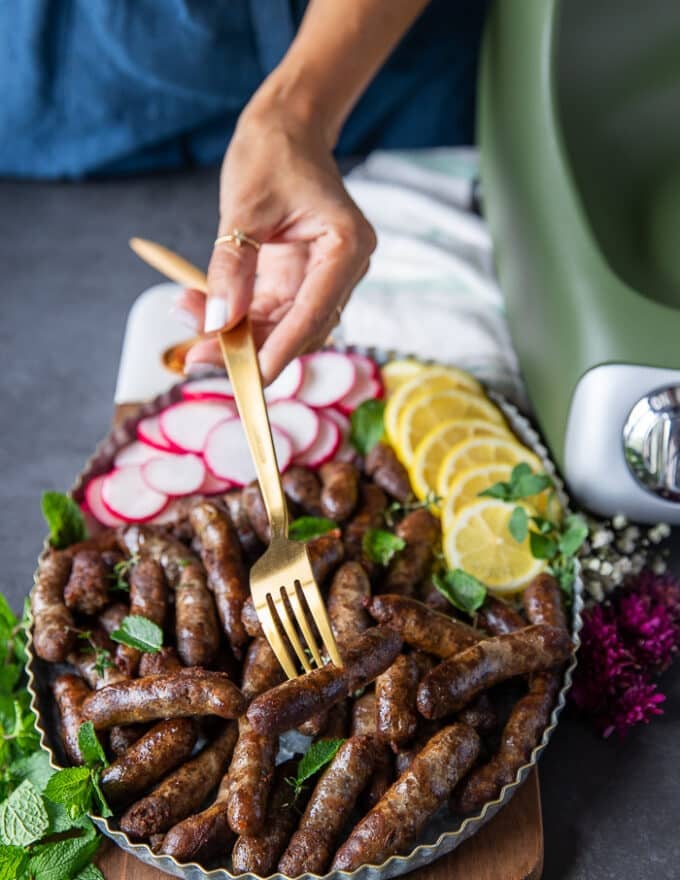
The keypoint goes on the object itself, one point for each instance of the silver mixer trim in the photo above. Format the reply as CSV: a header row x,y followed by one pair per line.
x,y
651,442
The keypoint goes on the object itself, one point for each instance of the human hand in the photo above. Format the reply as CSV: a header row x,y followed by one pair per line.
x,y
280,186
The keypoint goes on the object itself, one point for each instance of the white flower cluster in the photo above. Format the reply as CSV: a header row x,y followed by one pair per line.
x,y
615,551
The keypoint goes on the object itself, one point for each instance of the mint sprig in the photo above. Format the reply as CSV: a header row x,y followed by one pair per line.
x,y
462,590
305,528
317,756
381,546
523,483
139,632
64,519
368,426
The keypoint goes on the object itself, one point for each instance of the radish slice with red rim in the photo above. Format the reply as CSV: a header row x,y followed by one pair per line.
x,y
228,457
213,485
365,389
187,424
95,505
177,475
210,388
366,366
345,452
125,494
287,383
298,421
328,377
137,452
324,447
149,432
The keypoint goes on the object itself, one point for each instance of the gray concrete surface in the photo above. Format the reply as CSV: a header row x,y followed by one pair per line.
x,y
611,809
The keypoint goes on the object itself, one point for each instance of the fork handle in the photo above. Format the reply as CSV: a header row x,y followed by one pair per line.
x,y
238,349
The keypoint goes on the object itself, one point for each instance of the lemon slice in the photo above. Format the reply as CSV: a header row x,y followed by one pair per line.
x,y
427,380
482,450
397,373
432,408
478,541
466,487
437,444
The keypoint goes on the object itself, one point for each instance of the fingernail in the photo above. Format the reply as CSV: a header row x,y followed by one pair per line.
x,y
199,368
216,314
185,317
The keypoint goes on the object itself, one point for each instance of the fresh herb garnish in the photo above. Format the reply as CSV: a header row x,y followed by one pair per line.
x,y
397,509
317,756
367,425
64,519
462,590
523,483
380,546
140,633
102,657
307,527
77,788
121,573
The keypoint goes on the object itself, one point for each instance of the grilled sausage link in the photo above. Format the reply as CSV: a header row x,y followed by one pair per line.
x,y
364,715
253,504
70,693
394,823
98,671
499,618
345,603
542,601
53,631
112,616
250,620
252,766
325,554
148,598
250,543
196,628
123,736
370,515
259,853
479,714
293,702
160,663
452,684
388,472
167,745
527,721
182,792
302,487
87,588
421,627
227,576
339,489
395,691
179,694
421,532
152,541
312,845
203,835
364,724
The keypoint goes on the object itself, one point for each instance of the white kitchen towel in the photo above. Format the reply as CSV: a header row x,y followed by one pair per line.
x,y
430,290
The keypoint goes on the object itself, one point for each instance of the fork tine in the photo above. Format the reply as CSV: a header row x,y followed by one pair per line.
x,y
317,609
300,613
266,614
289,626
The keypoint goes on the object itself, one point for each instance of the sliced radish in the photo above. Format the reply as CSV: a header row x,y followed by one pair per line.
x,y
177,475
95,505
345,452
287,383
136,452
324,447
365,389
186,425
328,377
125,494
366,366
210,388
149,432
213,485
228,457
299,422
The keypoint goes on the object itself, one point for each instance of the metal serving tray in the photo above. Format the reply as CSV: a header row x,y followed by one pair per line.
x,y
445,831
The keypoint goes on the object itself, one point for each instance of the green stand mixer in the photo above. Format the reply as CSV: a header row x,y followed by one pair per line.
x,y
579,128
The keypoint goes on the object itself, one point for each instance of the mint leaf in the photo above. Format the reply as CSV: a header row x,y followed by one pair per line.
x,y
307,527
380,546
574,534
530,484
13,861
56,861
462,590
518,525
91,872
541,546
317,756
23,818
36,768
502,491
71,787
64,519
140,633
523,469
101,807
90,747
367,425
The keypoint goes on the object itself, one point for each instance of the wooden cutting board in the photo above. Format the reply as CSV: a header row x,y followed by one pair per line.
x,y
509,847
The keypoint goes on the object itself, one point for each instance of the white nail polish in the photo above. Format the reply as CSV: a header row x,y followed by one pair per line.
x,y
185,317
216,314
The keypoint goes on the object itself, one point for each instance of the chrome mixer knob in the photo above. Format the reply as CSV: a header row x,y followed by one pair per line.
x,y
651,440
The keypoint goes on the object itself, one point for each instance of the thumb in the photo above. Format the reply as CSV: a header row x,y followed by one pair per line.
x,y
231,278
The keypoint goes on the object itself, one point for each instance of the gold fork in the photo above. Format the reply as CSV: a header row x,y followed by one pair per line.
x,y
281,582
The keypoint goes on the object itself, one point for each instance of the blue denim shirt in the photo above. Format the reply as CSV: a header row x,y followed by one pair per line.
x,y
122,86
